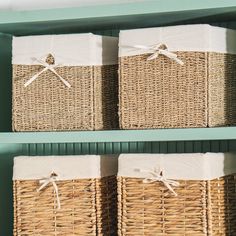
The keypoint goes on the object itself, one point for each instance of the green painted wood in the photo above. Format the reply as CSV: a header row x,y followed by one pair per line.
x,y
122,9
145,13
5,82
195,134
7,152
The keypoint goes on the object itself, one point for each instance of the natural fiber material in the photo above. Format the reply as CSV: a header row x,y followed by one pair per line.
x,y
163,94
88,207
222,89
202,208
48,105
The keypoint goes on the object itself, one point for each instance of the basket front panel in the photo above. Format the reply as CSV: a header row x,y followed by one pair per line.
x,y
151,209
160,93
36,213
47,104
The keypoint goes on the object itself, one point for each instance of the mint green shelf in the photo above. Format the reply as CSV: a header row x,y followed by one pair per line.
x,y
110,10
107,20
159,135
145,13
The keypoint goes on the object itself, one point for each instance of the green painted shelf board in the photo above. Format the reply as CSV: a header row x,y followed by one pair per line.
x,y
115,15
123,9
158,135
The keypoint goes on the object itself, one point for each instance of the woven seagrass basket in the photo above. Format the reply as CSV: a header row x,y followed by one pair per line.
x,y
79,198
200,208
65,82
177,77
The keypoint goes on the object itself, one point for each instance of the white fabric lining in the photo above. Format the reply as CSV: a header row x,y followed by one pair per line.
x,y
65,167
194,166
199,38
68,49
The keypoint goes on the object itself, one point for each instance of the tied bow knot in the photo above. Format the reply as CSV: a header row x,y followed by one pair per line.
x,y
159,49
48,65
51,180
157,176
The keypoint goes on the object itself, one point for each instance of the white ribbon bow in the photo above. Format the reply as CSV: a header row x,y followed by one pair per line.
x,y
47,67
159,49
156,176
44,182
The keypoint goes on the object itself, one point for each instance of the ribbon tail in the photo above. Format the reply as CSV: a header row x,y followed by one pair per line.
x,y
172,56
178,61
63,80
141,47
174,183
149,181
153,56
45,183
39,61
57,194
34,77
170,188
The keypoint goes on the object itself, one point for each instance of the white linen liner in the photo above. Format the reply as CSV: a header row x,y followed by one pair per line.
x,y
68,49
65,167
199,38
194,166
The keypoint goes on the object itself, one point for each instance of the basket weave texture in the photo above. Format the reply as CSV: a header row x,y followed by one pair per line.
x,y
88,207
48,105
160,93
202,208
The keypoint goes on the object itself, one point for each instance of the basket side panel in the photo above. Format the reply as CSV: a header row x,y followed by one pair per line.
x,y
106,97
106,206
223,205
15,194
222,89
120,188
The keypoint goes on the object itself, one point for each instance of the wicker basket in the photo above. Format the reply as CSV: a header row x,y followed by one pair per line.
x,y
73,195
176,77
205,185
65,82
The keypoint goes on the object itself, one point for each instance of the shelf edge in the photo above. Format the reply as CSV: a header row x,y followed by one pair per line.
x,y
158,135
